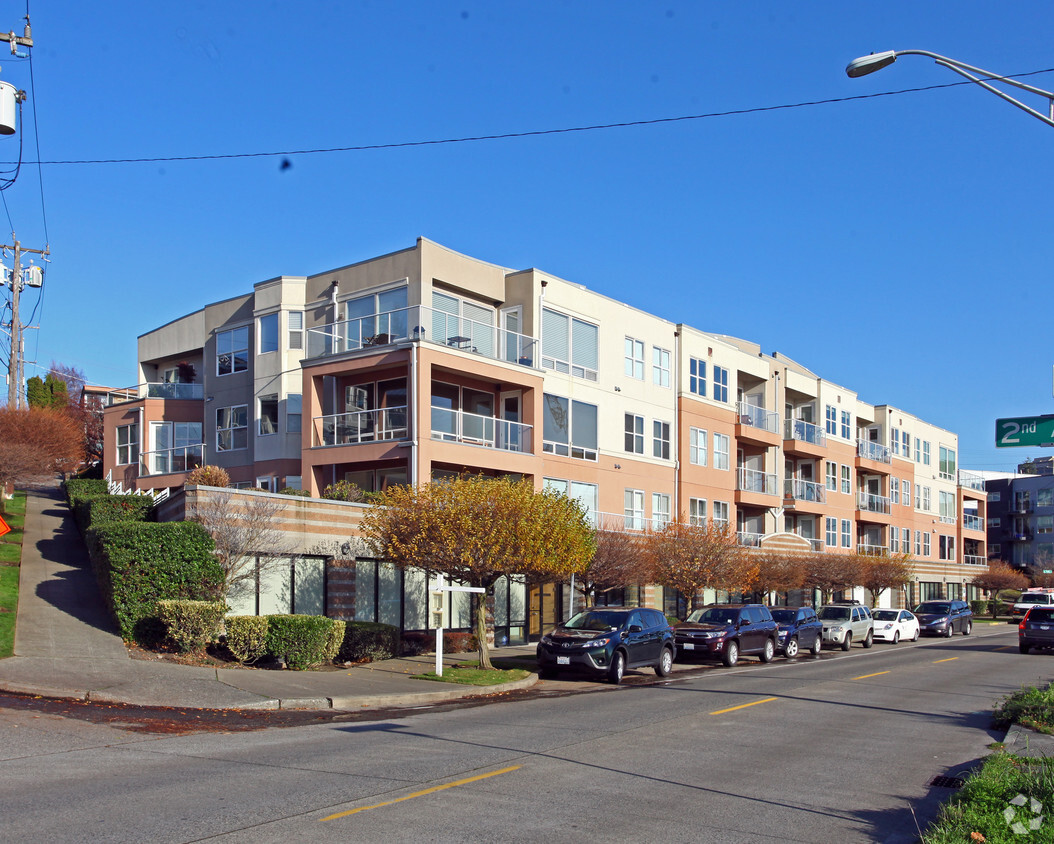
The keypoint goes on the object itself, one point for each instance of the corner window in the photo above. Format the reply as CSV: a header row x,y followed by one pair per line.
x,y
232,351
946,467
232,428
268,333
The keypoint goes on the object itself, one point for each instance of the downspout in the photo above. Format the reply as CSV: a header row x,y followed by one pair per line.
x,y
414,418
676,385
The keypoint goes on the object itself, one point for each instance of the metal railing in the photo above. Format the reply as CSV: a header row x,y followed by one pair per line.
x,y
947,520
806,432
971,480
748,539
156,390
974,560
422,323
972,522
754,480
801,490
872,503
361,426
873,451
476,429
758,417
869,550
165,461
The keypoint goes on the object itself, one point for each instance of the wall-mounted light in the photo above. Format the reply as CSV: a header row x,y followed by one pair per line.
x,y
618,389
618,466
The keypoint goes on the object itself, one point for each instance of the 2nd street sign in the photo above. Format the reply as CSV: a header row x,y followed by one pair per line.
x,y
1025,430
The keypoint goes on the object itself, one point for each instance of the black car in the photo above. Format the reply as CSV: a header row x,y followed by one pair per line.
x,y
799,629
1036,629
726,632
606,641
944,618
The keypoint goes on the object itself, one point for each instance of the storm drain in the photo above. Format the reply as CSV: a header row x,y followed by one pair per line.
x,y
947,782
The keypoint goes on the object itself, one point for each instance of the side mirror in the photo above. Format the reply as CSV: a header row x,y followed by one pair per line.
x,y
635,628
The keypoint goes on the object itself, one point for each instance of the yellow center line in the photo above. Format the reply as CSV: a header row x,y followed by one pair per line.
x,y
1004,648
949,659
432,790
865,676
743,706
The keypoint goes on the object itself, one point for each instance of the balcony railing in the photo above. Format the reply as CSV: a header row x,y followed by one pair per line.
x,y
748,539
422,323
157,390
946,519
753,480
476,429
973,522
804,490
974,560
873,451
168,460
971,480
361,426
806,432
871,503
869,550
758,417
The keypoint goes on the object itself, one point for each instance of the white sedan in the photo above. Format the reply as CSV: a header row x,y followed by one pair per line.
x,y
894,625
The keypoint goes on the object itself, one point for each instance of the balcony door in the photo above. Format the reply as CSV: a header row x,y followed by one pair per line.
x,y
510,435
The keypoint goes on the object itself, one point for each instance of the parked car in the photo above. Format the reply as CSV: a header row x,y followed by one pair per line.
x,y
727,632
1031,598
1036,629
944,618
799,629
605,641
846,622
894,625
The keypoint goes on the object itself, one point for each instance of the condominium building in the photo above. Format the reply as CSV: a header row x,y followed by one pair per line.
x,y
426,363
1020,520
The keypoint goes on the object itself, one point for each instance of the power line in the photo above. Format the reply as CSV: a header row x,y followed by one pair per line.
x,y
528,134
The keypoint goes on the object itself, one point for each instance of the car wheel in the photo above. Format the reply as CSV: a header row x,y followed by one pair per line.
x,y
896,636
1023,648
665,663
915,638
618,667
869,639
790,650
546,673
949,631
769,651
731,654
847,641
967,628
817,646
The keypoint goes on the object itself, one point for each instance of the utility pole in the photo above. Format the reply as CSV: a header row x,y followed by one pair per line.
x,y
16,363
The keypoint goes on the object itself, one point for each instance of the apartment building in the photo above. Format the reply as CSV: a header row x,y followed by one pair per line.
x,y
425,363
1020,520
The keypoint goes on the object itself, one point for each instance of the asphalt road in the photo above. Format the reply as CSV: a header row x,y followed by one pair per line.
x,y
840,748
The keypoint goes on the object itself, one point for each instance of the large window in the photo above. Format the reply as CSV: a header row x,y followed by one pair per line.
x,y
946,468
296,329
635,358
660,442
232,351
232,428
634,433
569,345
268,415
697,376
128,444
697,446
832,420
660,510
660,366
379,318
268,333
721,511
569,428
176,446
697,511
588,495
293,412
720,451
946,547
846,425
946,506
720,384
634,509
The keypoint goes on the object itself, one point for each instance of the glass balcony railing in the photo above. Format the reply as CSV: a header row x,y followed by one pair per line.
x,y
869,550
974,560
748,539
806,432
476,429
361,426
873,451
871,503
168,460
157,390
970,480
804,490
758,417
972,522
753,480
426,324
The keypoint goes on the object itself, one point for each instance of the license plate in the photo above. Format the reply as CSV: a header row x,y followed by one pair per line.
x,y
563,660
688,646
1044,627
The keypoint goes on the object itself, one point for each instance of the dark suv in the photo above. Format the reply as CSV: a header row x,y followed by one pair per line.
x,y
943,618
799,629
726,632
607,641
1036,629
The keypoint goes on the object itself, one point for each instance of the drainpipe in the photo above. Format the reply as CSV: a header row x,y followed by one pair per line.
x,y
414,417
676,387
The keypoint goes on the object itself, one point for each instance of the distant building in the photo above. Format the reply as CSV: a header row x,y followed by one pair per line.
x,y
1020,523
1037,466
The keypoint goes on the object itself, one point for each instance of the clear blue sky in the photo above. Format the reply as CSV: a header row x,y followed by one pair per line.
x,y
897,245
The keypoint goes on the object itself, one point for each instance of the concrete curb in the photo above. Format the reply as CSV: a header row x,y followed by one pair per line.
x,y
354,702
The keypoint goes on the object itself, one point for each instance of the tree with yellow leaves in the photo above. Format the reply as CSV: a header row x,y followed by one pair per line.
x,y
476,530
877,573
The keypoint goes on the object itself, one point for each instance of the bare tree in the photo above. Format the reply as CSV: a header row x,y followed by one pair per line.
x,y
35,445
779,571
832,572
619,561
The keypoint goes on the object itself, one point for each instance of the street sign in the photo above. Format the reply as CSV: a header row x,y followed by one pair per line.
x,y
1025,431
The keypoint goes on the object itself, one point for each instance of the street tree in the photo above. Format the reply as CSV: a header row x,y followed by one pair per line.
x,y
832,572
999,576
885,571
50,391
476,530
35,445
619,561
779,571
693,557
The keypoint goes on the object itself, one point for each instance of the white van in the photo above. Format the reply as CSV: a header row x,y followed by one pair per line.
x,y
1031,598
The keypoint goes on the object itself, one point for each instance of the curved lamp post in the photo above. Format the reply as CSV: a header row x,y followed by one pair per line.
x,y
876,61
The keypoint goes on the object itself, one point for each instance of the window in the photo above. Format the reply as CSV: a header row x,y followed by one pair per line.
x,y
232,351
660,442
894,491
832,532
585,494
634,358
1045,497
569,428
697,511
378,318
1044,524
720,384
232,428
268,415
847,533
995,496
905,538
293,482
918,543
634,509
697,376
905,440
925,453
268,333
846,425
176,447
721,513
634,433
660,510
1022,500
832,420
660,366
925,544
847,481
720,451
918,450
905,492
296,329
994,521
128,444
832,476
697,446
569,345
945,547
946,506
894,440
894,541
924,501
946,466
293,403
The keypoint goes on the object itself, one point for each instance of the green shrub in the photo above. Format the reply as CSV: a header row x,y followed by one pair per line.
x,y
299,640
288,490
119,508
979,607
343,491
334,639
191,625
78,487
140,563
369,641
209,476
247,636
1030,706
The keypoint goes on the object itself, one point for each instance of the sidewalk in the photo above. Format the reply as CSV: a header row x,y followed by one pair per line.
x,y
66,646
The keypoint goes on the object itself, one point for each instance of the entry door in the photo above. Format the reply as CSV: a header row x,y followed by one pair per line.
x,y
511,434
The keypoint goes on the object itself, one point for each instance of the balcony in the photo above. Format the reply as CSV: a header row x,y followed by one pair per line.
x,y
870,503
970,480
475,429
947,520
169,460
753,480
424,324
972,522
873,451
806,432
361,426
748,539
974,560
869,550
758,417
804,490
157,390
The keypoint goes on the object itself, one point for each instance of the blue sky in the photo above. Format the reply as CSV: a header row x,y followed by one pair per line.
x,y
897,245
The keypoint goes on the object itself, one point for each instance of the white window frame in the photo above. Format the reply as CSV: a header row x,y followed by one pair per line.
x,y
831,531
295,322
847,479
271,333
128,450
847,533
697,446
232,429
228,344
722,443
634,432
660,439
721,514
634,358
697,511
660,366
720,390
634,509
831,476
697,376
660,510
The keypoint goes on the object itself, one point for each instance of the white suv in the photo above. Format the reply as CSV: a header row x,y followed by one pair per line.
x,y
844,623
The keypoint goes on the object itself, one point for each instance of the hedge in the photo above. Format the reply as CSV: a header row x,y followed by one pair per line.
x,y
140,563
246,637
76,489
300,640
369,640
191,625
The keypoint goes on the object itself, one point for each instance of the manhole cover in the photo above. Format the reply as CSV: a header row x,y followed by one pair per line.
x,y
947,782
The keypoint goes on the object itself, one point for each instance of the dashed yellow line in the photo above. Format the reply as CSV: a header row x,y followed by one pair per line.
x,y
949,659
865,676
743,706
432,790
1004,648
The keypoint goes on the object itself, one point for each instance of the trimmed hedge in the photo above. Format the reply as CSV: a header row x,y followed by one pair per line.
x,y
369,641
299,640
77,488
191,625
138,564
979,607
247,637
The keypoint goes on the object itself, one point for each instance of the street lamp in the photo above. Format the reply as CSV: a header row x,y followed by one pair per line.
x,y
876,61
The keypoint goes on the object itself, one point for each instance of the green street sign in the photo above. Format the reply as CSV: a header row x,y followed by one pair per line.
x,y
1025,431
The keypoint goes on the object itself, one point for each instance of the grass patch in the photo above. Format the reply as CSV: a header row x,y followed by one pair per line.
x,y
475,676
1030,707
8,603
977,811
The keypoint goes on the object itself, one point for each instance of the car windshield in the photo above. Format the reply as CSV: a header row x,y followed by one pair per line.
x,y
933,608
595,620
885,615
784,616
714,615
1034,599
834,613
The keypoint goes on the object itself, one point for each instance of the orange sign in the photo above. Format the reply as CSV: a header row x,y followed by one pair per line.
x,y
4,526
